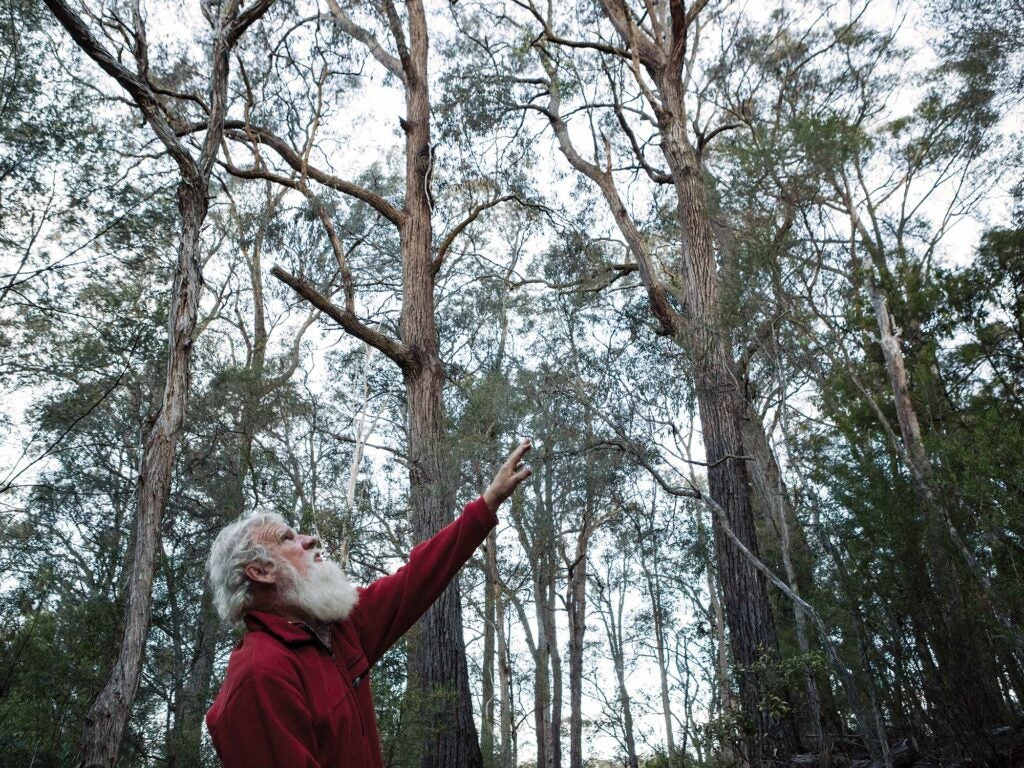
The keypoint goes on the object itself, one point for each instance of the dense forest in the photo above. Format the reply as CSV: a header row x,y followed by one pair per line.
x,y
750,277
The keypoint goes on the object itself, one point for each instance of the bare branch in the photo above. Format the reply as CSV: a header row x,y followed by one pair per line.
x,y
405,357
595,282
669,319
548,34
367,38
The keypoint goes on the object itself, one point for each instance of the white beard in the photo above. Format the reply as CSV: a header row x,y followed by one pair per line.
x,y
325,593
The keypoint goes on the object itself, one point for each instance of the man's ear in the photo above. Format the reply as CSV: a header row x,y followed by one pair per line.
x,y
261,571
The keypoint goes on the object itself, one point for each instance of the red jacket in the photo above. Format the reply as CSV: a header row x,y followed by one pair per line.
x,y
289,702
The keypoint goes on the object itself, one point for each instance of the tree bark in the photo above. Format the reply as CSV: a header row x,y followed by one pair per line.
x,y
505,719
654,594
108,714
776,513
184,744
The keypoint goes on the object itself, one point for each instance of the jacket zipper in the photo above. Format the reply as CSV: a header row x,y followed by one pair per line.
x,y
352,686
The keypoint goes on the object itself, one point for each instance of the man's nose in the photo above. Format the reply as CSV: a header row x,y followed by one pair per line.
x,y
309,542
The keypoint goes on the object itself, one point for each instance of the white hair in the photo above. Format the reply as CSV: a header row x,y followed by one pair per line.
x,y
233,550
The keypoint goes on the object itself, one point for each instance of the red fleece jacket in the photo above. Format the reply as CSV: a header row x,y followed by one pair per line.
x,y
290,702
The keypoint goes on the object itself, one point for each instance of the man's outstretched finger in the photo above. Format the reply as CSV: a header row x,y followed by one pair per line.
x,y
518,453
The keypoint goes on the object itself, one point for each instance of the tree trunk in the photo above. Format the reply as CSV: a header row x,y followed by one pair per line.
x,y
490,631
701,332
774,511
108,714
542,655
507,726
184,745
717,618
438,673
576,603
748,610
658,616
554,727
771,498
613,627
549,537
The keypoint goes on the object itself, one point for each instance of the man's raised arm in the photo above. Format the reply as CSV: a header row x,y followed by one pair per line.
x,y
388,607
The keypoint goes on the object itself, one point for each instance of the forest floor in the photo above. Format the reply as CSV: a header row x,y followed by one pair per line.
x,y
1006,744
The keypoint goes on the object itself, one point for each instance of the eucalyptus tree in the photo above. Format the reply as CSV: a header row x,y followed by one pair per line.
x,y
632,72
403,202
109,711
248,354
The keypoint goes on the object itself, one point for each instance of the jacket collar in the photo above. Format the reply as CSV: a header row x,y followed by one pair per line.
x,y
284,630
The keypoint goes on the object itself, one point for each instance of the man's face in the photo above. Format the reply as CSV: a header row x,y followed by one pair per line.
x,y
298,549
302,579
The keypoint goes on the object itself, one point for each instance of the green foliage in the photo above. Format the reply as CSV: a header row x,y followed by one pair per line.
x,y
51,657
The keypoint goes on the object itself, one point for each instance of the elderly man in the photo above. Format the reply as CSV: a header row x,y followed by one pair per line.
x,y
296,694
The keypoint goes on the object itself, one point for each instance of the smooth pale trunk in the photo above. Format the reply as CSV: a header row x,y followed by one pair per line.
x,y
964,680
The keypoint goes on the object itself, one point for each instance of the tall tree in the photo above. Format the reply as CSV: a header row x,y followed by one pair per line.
x,y
649,69
437,661
108,714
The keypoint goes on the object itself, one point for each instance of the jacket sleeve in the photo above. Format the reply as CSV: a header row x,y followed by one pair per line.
x,y
392,604
266,724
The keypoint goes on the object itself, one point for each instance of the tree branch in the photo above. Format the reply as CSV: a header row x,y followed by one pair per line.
x,y
403,356
657,176
703,140
641,44
340,254
670,320
395,25
446,243
367,38
250,133
136,87
246,19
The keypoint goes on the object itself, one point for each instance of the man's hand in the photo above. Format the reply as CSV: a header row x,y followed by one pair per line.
x,y
509,475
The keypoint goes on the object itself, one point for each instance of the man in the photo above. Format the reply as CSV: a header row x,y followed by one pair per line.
x,y
296,694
